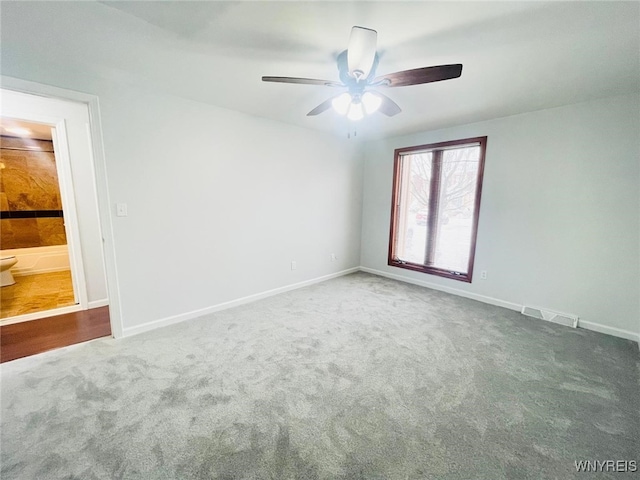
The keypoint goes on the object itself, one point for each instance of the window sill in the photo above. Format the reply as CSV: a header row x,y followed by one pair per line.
x,y
461,277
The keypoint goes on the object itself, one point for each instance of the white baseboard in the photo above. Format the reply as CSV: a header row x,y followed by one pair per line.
x,y
52,313
616,332
461,293
163,322
98,303
38,315
596,327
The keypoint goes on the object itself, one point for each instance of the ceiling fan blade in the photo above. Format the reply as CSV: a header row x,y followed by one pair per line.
x,y
361,51
388,106
323,107
419,75
303,81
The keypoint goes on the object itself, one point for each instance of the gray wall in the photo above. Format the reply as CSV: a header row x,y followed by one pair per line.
x,y
220,203
559,223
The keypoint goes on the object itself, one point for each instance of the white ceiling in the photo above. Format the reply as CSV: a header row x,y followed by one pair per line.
x,y
517,56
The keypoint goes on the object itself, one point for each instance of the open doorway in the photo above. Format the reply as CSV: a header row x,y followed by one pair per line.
x,y
36,274
72,305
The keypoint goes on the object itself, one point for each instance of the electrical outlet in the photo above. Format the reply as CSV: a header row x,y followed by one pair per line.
x,y
333,257
294,264
483,274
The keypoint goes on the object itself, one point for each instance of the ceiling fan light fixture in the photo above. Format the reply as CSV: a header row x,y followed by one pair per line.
x,y
357,71
371,102
341,103
355,112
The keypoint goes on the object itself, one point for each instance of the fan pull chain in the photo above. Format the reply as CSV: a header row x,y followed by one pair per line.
x,y
355,134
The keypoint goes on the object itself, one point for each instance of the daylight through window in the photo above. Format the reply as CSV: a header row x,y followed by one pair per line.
x,y
436,200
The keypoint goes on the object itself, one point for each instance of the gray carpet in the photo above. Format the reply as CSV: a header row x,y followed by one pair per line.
x,y
359,377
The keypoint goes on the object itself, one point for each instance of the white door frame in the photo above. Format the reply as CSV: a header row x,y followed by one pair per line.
x,y
71,225
100,173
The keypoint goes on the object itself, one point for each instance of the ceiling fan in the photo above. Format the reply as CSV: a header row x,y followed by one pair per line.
x,y
357,66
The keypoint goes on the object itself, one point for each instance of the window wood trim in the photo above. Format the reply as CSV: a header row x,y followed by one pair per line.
x,y
437,149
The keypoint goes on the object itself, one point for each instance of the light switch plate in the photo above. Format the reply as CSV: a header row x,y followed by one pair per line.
x,y
121,209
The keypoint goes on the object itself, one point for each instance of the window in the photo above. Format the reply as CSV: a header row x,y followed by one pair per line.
x,y
436,200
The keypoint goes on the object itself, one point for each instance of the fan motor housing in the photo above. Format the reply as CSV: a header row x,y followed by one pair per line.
x,y
354,85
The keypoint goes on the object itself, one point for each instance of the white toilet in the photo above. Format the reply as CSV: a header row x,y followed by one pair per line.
x,y
6,263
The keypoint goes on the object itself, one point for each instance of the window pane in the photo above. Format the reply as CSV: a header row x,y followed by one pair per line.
x,y
454,232
414,207
436,197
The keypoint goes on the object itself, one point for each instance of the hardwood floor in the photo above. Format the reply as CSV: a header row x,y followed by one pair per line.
x,y
28,338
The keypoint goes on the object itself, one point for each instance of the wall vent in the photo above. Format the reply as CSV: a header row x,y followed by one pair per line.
x,y
565,319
